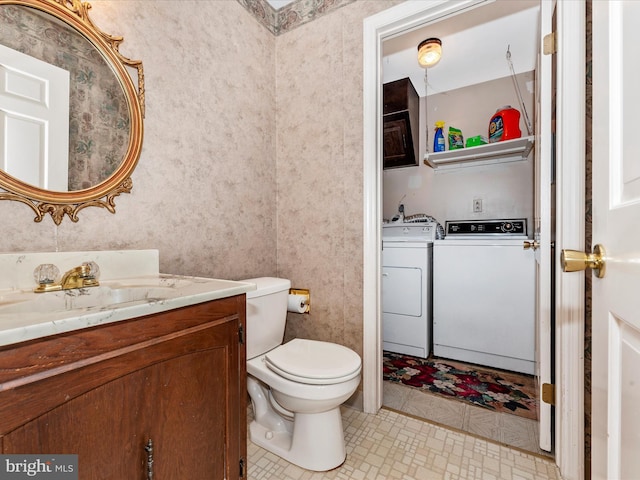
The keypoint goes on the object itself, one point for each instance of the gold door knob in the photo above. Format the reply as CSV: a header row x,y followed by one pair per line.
x,y
531,245
576,261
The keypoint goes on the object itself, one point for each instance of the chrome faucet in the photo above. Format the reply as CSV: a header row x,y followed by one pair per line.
x,y
86,275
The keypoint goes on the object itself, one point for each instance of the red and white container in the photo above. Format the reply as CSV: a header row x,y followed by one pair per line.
x,y
504,125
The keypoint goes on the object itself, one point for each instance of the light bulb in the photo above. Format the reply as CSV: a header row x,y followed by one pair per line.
x,y
429,52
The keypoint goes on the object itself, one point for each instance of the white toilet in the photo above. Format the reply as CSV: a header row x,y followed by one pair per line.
x,y
296,389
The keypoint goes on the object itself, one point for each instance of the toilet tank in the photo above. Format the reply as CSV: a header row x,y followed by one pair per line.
x,y
266,314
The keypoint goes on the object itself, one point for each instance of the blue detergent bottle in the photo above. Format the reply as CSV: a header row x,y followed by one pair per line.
x,y
438,138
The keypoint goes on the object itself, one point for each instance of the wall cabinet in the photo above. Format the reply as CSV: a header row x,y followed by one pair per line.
x,y
401,116
174,381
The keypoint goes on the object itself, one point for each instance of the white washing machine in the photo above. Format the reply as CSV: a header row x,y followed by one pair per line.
x,y
407,253
484,295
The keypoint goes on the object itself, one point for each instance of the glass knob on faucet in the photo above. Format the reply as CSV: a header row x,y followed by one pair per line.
x,y
46,273
93,270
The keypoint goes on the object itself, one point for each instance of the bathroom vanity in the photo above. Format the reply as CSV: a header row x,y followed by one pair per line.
x,y
159,395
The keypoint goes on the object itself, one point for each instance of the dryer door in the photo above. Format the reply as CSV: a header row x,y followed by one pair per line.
x,y
402,290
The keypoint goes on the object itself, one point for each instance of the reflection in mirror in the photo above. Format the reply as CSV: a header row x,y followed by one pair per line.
x,y
89,159
96,128
34,112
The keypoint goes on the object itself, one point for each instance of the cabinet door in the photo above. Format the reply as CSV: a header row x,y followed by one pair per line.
x,y
188,417
398,141
103,427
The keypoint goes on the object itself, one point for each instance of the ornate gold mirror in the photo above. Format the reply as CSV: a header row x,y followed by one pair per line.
x,y
70,114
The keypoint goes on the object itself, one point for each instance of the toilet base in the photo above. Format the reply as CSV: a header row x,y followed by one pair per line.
x,y
316,442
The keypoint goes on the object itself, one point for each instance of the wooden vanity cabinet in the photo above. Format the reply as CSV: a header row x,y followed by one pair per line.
x,y
176,378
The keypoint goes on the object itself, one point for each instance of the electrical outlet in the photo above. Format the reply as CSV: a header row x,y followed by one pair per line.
x,y
477,205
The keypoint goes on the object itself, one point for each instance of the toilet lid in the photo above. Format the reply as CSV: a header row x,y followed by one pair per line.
x,y
315,362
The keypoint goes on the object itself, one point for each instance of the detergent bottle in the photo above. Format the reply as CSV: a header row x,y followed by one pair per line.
x,y
504,125
438,138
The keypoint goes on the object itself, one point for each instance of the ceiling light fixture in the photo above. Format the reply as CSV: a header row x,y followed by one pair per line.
x,y
429,52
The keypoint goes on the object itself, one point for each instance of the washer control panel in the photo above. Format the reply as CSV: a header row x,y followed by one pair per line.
x,y
511,227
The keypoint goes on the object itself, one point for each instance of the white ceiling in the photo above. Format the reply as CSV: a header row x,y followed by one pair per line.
x,y
474,47
279,3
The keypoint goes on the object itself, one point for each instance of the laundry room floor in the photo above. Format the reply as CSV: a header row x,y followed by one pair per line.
x,y
506,428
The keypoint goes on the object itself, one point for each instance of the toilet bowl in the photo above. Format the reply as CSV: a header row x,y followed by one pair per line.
x,y
300,422
296,389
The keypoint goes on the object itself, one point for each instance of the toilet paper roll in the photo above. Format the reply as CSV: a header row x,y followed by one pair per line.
x,y
298,303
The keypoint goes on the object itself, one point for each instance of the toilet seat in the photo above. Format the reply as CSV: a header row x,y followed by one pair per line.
x,y
314,362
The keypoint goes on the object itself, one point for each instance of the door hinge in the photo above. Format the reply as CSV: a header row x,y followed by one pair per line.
x,y
241,334
242,468
549,393
549,45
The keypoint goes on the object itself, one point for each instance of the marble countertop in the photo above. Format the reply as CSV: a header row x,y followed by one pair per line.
x,y
25,315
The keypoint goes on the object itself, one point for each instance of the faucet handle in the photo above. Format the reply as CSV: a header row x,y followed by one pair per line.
x,y
92,270
46,273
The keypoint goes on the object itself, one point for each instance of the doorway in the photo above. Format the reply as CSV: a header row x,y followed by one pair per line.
x,y
502,186
569,299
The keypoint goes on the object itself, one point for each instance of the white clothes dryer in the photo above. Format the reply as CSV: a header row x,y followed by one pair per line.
x,y
407,253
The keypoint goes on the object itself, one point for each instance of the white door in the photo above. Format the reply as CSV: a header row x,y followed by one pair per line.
x,y
616,225
543,222
34,120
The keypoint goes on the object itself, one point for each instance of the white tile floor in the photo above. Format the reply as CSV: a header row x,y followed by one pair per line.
x,y
391,445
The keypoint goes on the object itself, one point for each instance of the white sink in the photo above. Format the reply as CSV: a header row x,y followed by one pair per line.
x,y
101,297
11,298
173,282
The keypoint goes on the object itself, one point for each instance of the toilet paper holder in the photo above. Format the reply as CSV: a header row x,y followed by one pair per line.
x,y
303,296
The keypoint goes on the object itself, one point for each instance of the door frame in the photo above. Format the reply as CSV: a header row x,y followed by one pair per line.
x,y
570,230
570,210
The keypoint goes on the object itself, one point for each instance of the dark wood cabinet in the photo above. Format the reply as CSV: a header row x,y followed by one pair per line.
x,y
177,379
401,118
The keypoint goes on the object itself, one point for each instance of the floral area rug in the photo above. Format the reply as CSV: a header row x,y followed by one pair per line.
x,y
494,389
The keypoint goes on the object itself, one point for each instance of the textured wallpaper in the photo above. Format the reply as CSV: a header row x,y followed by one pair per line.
x,y
252,157
204,190
320,166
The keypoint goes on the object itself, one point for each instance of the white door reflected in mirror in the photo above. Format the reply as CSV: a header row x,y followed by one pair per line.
x,y
34,120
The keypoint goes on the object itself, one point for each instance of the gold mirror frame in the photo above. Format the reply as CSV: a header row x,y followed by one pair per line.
x,y
75,14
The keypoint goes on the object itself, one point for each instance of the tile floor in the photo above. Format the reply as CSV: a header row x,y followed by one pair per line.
x,y
391,445
506,428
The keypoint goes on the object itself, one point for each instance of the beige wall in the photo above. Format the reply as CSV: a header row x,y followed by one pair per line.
x,y
249,138
319,162
204,192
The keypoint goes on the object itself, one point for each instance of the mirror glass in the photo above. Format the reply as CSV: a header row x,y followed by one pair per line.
x,y
71,117
98,115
